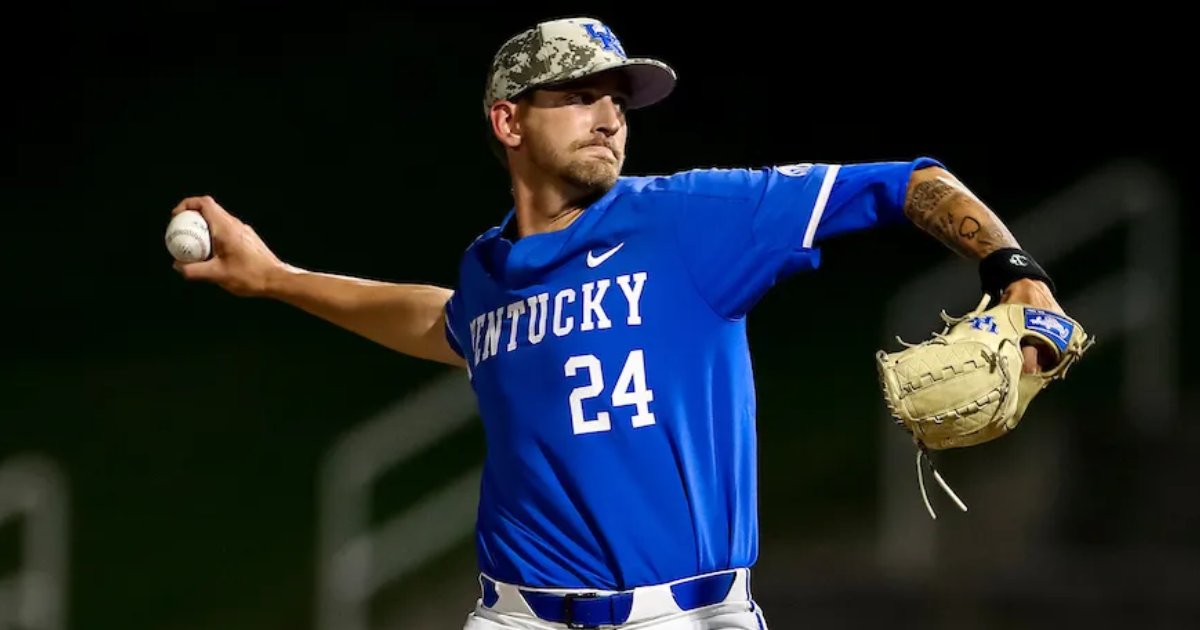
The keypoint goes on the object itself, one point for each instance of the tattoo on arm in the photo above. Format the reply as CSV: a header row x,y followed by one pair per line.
x,y
945,209
969,227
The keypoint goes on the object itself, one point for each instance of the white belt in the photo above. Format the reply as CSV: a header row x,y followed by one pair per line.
x,y
584,608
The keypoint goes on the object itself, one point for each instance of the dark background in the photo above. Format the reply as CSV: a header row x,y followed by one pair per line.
x,y
189,424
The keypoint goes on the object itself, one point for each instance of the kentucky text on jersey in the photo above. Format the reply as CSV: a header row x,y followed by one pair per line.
x,y
589,309
613,373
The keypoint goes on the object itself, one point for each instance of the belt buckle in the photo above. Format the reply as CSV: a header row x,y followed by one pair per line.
x,y
568,616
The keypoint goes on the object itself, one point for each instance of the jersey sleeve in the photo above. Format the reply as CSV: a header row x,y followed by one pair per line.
x,y
740,231
865,196
452,309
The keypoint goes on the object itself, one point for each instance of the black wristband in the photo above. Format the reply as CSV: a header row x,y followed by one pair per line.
x,y
1000,268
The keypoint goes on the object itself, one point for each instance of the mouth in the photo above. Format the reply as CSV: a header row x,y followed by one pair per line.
x,y
602,149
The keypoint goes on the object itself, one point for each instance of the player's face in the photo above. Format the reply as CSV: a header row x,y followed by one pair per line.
x,y
577,131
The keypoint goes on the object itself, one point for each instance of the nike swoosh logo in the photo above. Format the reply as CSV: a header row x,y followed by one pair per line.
x,y
595,261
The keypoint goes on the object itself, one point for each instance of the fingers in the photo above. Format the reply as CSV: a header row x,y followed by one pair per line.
x,y
1037,356
207,207
207,270
192,203
1030,365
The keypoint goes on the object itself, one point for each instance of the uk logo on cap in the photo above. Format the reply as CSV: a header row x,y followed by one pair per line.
x,y
607,40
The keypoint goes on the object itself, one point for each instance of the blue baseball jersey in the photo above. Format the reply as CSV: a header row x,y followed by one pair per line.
x,y
613,373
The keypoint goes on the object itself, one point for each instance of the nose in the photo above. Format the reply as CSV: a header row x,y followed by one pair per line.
x,y
609,116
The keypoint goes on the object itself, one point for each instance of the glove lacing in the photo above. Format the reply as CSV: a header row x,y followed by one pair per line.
x,y
994,361
923,454
950,322
922,451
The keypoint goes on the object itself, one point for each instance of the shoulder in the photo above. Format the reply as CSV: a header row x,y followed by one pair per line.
x,y
732,183
482,240
472,259
743,183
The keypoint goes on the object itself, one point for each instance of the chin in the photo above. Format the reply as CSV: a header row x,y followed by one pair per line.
x,y
595,175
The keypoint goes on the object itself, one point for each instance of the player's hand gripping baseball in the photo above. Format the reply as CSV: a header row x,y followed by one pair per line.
x,y
1035,293
241,263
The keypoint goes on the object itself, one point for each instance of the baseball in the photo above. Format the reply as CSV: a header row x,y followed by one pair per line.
x,y
187,237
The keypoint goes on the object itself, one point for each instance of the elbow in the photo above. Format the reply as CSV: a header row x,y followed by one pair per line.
x,y
927,174
928,187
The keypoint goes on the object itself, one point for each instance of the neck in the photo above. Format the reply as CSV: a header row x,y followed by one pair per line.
x,y
548,205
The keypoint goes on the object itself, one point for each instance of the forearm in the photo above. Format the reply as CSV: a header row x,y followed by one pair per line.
x,y
943,207
407,318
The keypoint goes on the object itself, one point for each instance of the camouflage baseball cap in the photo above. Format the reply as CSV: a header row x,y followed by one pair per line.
x,y
567,49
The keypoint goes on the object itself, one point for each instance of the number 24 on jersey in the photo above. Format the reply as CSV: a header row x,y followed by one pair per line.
x,y
630,389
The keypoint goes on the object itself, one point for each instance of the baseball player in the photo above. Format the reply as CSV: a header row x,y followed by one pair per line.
x,y
602,325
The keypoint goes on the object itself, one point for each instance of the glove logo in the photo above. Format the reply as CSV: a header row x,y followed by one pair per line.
x,y
1019,260
987,322
1049,324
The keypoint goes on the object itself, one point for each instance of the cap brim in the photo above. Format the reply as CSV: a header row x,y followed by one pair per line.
x,y
650,80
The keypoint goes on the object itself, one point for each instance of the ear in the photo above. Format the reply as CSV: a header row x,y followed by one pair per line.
x,y
505,125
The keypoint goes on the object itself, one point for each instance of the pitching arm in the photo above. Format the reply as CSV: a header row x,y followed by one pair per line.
x,y
407,318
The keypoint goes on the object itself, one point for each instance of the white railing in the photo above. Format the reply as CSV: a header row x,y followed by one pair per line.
x,y
355,558
33,490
